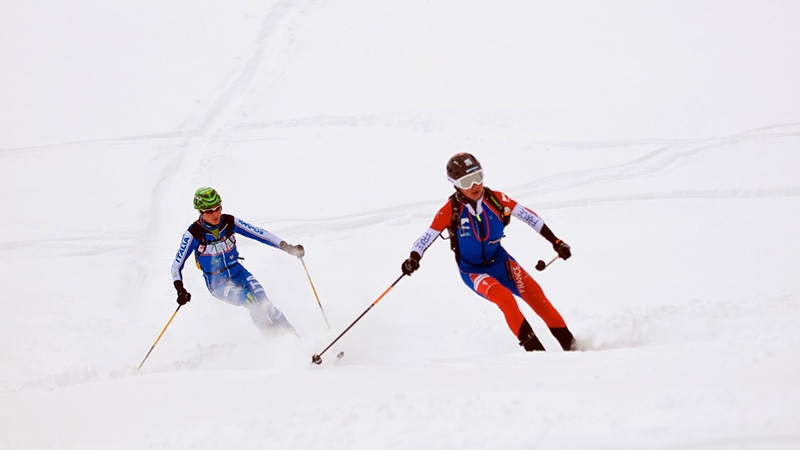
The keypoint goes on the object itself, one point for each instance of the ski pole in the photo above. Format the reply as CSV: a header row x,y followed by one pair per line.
x,y
317,359
159,337
540,266
315,294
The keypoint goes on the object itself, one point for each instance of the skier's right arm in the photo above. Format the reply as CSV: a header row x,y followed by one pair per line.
x,y
188,245
440,222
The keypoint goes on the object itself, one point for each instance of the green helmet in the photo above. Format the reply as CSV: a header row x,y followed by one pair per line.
x,y
206,198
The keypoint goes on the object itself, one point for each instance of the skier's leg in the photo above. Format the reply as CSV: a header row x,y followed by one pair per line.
x,y
265,315
528,339
244,290
489,288
530,291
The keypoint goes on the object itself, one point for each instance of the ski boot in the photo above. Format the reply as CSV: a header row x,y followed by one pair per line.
x,y
564,338
528,339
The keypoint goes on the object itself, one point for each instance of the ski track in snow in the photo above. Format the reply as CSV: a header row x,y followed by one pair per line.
x,y
656,325
665,157
269,51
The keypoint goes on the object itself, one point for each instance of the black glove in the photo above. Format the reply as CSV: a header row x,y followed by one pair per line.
x,y
411,264
562,249
184,296
294,250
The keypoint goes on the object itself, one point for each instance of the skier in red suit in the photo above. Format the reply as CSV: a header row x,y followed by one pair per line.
x,y
476,218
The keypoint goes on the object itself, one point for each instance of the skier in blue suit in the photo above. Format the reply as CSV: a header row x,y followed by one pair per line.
x,y
212,238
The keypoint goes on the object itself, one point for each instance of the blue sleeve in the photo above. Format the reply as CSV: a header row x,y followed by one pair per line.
x,y
256,233
188,245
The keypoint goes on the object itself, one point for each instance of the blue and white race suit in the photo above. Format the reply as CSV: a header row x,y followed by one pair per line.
x,y
226,278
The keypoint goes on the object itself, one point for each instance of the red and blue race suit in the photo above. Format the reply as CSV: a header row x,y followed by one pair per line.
x,y
226,278
485,266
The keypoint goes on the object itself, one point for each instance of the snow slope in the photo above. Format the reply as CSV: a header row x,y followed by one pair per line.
x,y
659,139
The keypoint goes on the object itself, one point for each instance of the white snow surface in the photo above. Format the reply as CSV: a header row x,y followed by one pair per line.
x,y
661,140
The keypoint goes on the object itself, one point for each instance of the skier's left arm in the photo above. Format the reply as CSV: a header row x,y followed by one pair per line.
x,y
265,237
537,223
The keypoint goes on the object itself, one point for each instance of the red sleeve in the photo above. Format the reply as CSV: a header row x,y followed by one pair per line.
x,y
505,200
443,217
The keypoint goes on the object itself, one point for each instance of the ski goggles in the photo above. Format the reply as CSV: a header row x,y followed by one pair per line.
x,y
467,181
212,210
